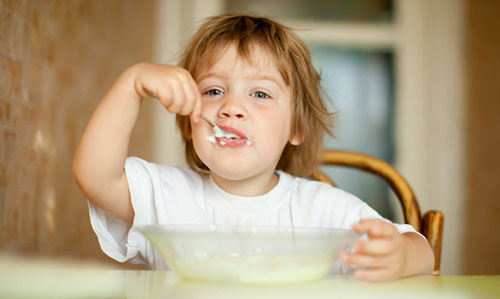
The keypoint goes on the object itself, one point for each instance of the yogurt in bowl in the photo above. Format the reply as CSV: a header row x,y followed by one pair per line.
x,y
249,254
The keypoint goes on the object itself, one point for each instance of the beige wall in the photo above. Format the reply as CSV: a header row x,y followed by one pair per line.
x,y
482,238
57,59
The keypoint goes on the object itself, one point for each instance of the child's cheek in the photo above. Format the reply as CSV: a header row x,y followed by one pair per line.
x,y
196,129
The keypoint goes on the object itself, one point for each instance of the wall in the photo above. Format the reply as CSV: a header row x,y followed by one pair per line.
x,y
482,239
57,59
430,113
177,21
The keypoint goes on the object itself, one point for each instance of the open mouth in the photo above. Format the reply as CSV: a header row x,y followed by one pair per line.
x,y
234,139
223,141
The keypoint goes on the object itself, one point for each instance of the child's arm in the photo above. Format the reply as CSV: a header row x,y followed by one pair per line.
x,y
98,166
388,254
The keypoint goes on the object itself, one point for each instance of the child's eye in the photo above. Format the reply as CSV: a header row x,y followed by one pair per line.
x,y
261,95
214,92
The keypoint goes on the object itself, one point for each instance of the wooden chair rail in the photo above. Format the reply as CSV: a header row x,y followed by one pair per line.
x,y
430,225
384,170
432,229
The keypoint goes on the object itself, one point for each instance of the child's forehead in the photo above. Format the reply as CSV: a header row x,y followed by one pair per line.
x,y
257,57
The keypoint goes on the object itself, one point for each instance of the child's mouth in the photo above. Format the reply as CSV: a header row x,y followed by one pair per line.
x,y
239,140
232,141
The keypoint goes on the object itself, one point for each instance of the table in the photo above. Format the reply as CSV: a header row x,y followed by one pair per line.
x,y
63,279
166,285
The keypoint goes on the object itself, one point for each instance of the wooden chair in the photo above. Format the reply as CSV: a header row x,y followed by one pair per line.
x,y
430,224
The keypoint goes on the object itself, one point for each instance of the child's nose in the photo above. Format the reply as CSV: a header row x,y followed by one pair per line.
x,y
232,107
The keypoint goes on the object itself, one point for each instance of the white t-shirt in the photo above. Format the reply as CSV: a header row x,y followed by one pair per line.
x,y
164,194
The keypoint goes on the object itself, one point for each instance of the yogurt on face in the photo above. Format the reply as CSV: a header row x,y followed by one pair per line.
x,y
211,139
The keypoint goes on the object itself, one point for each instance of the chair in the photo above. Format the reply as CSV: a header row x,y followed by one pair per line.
x,y
430,224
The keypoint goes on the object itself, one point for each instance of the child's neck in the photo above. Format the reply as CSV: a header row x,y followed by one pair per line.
x,y
253,186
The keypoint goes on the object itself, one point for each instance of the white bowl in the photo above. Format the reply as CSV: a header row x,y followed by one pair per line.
x,y
249,254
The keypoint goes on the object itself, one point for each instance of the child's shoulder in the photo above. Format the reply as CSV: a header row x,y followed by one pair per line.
x,y
309,189
320,204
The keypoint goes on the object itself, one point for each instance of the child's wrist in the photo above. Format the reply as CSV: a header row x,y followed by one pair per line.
x,y
413,255
130,84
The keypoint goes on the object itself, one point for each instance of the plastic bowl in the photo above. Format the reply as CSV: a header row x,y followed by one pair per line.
x,y
249,254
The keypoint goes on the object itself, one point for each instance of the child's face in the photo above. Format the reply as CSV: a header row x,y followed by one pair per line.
x,y
252,99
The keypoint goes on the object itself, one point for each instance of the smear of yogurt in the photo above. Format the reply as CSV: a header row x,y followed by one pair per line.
x,y
211,139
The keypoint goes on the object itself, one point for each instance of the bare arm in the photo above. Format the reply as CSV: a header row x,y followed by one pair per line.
x,y
420,258
98,166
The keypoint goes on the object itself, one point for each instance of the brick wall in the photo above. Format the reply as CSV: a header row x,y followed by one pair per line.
x,y
57,59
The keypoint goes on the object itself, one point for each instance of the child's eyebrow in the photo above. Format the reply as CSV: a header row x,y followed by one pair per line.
x,y
254,77
268,78
212,74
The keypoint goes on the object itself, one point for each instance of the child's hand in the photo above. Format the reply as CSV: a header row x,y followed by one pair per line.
x,y
383,256
174,87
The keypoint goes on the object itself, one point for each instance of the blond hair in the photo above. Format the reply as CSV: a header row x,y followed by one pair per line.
x,y
310,117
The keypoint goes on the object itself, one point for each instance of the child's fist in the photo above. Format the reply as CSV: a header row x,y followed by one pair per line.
x,y
174,87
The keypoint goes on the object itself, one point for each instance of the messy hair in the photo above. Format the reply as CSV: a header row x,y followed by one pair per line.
x,y
310,117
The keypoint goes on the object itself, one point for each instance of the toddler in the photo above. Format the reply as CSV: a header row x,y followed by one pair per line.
x,y
254,78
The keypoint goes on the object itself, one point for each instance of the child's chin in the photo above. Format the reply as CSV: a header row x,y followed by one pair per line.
x,y
231,172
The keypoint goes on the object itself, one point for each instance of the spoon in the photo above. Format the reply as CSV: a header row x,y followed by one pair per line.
x,y
218,132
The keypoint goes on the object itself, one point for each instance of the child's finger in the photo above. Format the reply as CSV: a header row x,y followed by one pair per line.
x,y
378,247
198,105
175,103
163,94
195,87
375,228
196,114
363,261
377,274
190,100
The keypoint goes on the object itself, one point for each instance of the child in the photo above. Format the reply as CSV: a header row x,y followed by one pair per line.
x,y
253,77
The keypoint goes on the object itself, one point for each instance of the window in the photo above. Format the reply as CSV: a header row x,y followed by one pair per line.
x,y
318,10
360,85
357,74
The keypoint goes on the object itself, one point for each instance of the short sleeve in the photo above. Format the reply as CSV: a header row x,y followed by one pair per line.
x,y
118,239
367,212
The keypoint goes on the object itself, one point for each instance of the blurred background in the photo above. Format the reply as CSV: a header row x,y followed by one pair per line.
x,y
413,82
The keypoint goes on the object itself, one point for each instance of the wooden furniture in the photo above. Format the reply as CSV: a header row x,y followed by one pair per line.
x,y
430,224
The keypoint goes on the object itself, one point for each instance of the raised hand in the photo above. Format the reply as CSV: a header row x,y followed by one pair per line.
x,y
174,87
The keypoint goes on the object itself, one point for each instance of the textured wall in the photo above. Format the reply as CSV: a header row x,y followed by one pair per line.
x,y
57,59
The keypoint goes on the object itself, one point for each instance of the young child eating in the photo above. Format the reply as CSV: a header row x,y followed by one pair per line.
x,y
253,78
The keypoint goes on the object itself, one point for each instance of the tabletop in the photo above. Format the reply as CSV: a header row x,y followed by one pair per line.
x,y
49,279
